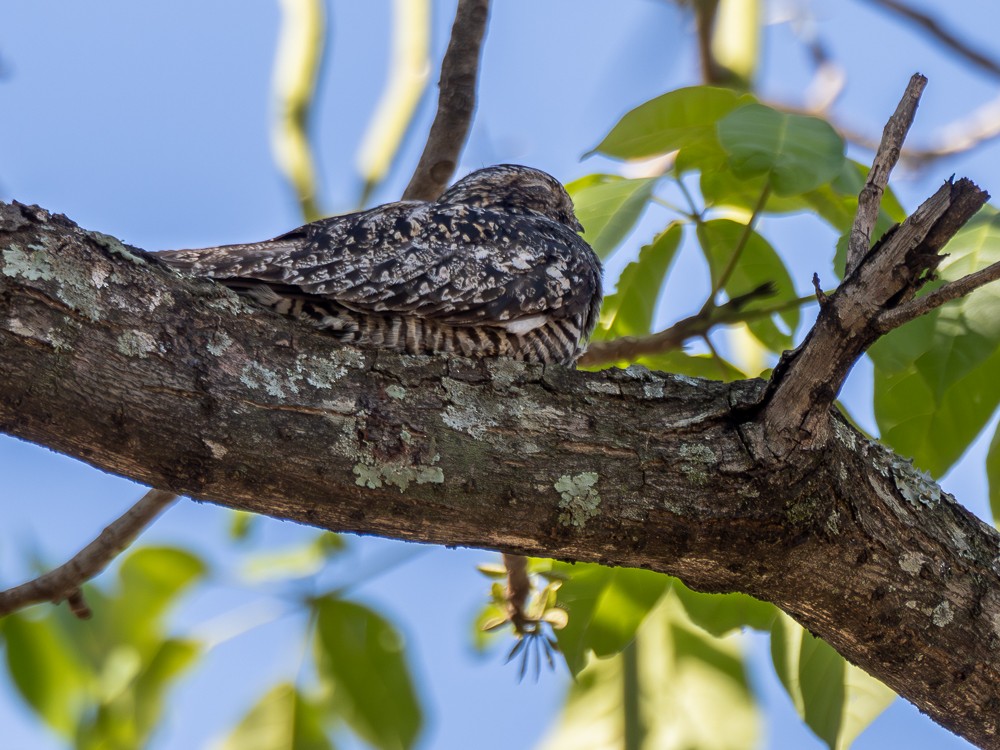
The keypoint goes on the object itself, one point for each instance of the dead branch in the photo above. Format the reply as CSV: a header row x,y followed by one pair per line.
x,y
870,198
65,582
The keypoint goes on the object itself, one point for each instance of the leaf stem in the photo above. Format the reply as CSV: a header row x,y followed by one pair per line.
x,y
727,272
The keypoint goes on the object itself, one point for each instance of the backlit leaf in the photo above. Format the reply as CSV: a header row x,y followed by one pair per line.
x,y
362,661
758,264
605,606
836,700
797,153
281,720
669,122
609,207
629,311
937,379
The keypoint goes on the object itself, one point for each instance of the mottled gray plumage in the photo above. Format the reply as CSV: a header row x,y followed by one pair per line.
x,y
494,267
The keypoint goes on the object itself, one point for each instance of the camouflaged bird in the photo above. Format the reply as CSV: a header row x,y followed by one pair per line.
x,y
493,268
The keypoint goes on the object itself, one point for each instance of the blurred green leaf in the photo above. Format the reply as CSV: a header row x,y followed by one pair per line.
x,y
797,153
151,578
300,561
629,311
721,614
691,691
361,659
758,264
937,379
281,720
836,700
605,607
171,660
693,365
669,122
609,207
241,524
45,671
720,187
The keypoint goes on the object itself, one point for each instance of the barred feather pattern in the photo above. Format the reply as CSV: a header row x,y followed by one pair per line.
x,y
494,268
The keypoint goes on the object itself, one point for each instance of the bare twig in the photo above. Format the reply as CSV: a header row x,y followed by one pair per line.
x,y
886,157
908,311
934,27
628,348
456,103
65,581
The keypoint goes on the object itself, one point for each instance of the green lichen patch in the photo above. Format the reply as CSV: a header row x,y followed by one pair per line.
x,y
697,460
373,474
580,498
218,342
31,266
397,392
133,343
258,377
114,246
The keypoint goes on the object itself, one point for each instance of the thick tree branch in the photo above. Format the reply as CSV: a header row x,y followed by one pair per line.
x,y
65,581
108,356
456,103
870,198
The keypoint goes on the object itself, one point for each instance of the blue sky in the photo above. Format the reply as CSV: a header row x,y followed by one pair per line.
x,y
150,121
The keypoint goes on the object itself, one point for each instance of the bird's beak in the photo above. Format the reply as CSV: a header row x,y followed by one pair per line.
x,y
577,226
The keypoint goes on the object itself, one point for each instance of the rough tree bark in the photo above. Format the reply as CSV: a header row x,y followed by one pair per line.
x,y
109,357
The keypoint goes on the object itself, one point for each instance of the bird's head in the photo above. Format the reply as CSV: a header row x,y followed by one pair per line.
x,y
515,189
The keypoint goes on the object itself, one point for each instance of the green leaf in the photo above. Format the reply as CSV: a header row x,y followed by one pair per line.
x,y
282,720
758,264
152,577
605,606
171,660
609,207
300,561
720,187
721,614
797,153
361,659
629,311
669,122
937,379
693,365
993,475
836,700
689,690
45,671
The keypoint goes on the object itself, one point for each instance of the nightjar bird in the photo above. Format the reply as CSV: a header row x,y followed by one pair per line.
x,y
493,268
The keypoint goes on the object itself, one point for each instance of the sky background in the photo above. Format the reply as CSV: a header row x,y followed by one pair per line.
x,y
149,121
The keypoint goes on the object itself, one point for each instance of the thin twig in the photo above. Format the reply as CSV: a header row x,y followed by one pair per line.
x,y
897,316
65,581
741,244
870,197
937,30
456,103
627,348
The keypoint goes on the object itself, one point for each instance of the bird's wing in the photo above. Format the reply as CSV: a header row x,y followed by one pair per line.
x,y
457,264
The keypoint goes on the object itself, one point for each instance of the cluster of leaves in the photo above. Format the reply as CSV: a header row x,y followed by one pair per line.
x,y
749,161
101,683
936,380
